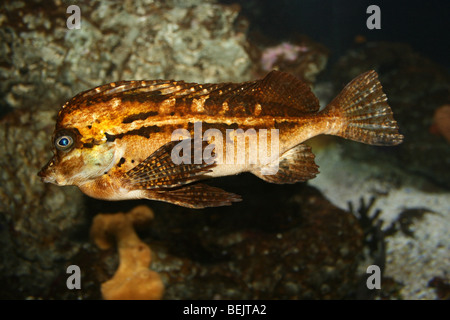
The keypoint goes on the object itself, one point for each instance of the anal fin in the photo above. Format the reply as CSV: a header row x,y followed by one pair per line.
x,y
295,165
197,196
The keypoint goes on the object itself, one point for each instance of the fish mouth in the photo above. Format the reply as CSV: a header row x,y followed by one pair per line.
x,y
46,174
41,173
45,177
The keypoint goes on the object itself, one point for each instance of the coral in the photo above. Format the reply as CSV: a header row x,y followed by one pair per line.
x,y
301,57
285,50
133,280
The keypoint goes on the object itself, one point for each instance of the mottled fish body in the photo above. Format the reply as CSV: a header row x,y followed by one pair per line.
x,y
115,141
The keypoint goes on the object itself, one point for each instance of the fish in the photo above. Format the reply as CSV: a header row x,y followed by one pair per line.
x,y
149,139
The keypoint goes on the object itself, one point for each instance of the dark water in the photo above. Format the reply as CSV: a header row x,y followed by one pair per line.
x,y
422,24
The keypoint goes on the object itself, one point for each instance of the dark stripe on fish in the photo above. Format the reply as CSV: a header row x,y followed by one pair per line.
x,y
144,132
139,116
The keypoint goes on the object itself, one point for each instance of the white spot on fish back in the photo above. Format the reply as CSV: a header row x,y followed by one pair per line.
x,y
115,102
258,109
198,104
225,107
167,106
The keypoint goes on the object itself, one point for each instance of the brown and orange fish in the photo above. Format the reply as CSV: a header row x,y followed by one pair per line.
x,y
115,141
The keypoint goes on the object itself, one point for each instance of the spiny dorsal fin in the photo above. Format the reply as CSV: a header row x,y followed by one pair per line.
x,y
295,165
159,171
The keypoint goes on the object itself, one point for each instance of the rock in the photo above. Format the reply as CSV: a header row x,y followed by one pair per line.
x,y
42,63
291,245
407,179
38,222
399,195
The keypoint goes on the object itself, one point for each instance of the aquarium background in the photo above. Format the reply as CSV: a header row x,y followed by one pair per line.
x,y
384,206
335,23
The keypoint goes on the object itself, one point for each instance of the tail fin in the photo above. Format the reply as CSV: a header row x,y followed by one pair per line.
x,y
366,116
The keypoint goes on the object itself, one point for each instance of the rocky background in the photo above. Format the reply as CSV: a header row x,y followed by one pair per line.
x,y
302,241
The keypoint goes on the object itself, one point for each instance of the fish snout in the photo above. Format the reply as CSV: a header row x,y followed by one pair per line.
x,y
47,173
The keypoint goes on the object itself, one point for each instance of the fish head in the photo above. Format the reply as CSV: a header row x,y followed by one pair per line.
x,y
78,157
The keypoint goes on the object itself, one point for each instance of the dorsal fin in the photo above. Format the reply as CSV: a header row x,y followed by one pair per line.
x,y
288,90
277,94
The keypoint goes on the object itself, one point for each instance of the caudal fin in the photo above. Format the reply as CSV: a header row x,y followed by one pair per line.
x,y
364,112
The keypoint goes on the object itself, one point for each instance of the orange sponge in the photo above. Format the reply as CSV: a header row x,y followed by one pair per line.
x,y
133,279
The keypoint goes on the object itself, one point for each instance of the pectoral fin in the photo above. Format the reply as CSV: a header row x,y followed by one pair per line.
x,y
159,170
295,165
196,196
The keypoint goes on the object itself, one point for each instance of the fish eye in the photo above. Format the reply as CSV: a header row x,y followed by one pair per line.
x,y
64,143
